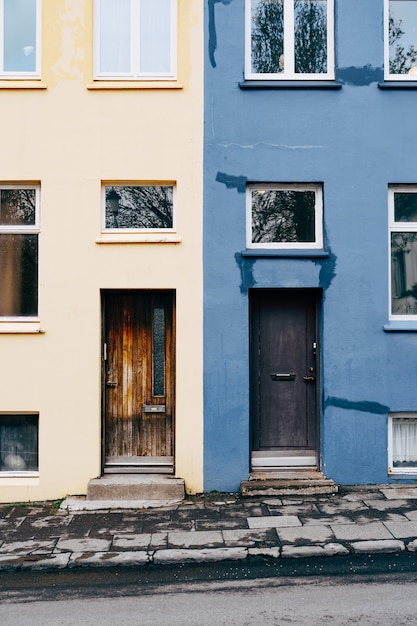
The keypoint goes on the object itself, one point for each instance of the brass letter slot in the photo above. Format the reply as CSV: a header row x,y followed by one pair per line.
x,y
283,377
153,408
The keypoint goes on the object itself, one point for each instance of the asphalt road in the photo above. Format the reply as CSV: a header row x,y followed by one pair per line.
x,y
367,590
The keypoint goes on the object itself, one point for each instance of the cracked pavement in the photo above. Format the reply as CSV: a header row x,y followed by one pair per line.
x,y
208,528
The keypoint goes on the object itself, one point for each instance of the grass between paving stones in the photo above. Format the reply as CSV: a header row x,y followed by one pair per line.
x,y
52,505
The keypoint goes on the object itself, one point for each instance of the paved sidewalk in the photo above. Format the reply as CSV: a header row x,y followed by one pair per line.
x,y
208,529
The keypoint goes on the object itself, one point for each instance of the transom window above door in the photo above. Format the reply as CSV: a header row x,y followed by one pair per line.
x,y
284,216
402,204
138,208
401,39
289,39
20,38
135,39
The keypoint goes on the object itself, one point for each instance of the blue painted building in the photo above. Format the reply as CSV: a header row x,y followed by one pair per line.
x,y
310,239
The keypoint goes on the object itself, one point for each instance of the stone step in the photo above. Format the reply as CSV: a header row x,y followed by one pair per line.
x,y
287,483
136,487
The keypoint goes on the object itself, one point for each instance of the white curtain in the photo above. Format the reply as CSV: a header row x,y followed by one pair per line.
x,y
115,36
155,36
404,441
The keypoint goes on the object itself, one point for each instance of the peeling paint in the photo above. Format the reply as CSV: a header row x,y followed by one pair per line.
x,y
212,42
232,182
365,406
360,76
246,272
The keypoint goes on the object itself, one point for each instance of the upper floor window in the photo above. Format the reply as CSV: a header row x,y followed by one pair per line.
x,y
135,39
289,39
20,38
403,246
19,228
284,216
138,208
401,39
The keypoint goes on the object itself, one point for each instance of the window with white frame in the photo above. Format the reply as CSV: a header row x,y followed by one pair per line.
x,y
20,38
135,39
19,233
401,39
402,443
289,39
19,443
402,205
138,208
284,216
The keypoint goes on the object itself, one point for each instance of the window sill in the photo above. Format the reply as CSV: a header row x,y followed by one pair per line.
x,y
398,84
142,238
290,84
22,84
134,84
403,326
292,254
21,328
19,479
7,474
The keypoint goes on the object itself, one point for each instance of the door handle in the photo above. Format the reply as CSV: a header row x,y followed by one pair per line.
x,y
309,379
279,376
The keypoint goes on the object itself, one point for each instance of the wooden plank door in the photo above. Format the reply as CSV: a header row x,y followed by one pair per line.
x,y
284,377
138,381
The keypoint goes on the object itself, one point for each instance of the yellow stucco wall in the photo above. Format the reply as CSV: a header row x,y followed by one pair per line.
x,y
70,136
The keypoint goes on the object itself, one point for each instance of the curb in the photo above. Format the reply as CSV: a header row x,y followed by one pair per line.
x,y
183,556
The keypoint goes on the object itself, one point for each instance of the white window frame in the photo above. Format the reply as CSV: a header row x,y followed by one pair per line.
x,y
284,245
289,71
137,231
135,73
22,229
391,469
393,227
387,75
29,75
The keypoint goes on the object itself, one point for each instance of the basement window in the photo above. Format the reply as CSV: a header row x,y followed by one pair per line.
x,y
19,444
402,443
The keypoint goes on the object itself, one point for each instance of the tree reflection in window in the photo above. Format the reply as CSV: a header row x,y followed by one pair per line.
x,y
283,216
310,36
18,252
139,207
402,30
404,273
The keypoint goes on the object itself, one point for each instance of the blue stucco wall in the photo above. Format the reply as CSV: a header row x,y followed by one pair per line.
x,y
355,140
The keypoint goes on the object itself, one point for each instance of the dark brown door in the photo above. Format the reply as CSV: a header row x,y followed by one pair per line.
x,y
138,381
284,375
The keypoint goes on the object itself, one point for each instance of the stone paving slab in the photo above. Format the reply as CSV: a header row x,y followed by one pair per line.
x,y
297,552
374,547
306,534
250,537
402,530
196,539
208,529
400,493
273,521
358,532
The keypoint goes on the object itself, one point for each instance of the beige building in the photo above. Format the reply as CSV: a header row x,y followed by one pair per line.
x,y
100,243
